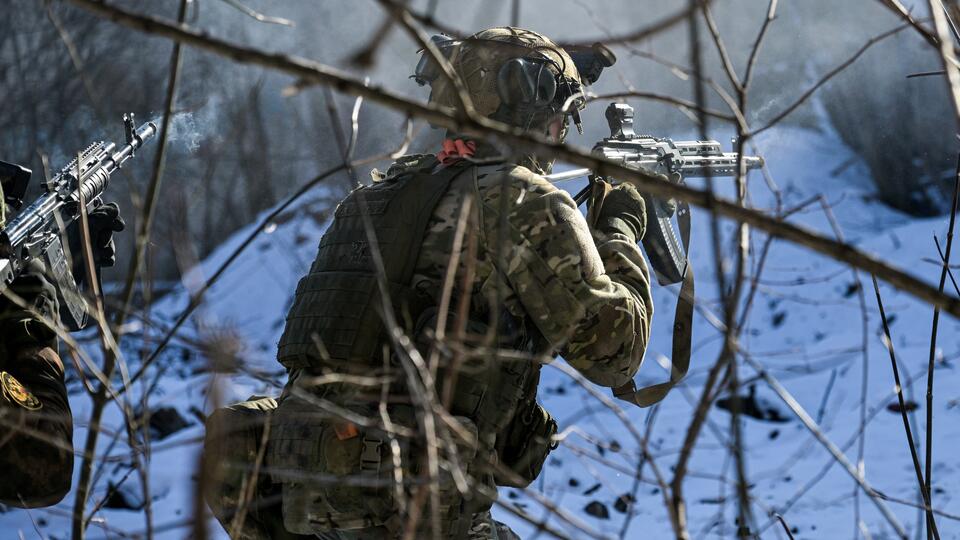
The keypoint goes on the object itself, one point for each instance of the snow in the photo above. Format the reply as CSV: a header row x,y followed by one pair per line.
x,y
805,328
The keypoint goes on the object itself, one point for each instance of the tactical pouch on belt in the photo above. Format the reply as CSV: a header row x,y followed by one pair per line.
x,y
343,479
523,446
334,477
236,487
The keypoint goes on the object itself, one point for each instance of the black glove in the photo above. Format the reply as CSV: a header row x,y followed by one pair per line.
x,y
622,211
103,220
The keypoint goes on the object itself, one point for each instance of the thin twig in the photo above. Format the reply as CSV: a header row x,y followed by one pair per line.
x,y
903,13
826,78
786,528
722,50
953,280
755,51
928,461
865,369
646,32
837,454
197,298
402,16
256,15
888,343
663,99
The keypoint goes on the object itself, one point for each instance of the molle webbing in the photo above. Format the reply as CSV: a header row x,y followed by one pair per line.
x,y
335,318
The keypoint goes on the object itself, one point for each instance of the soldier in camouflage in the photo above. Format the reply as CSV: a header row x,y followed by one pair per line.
x,y
347,442
36,425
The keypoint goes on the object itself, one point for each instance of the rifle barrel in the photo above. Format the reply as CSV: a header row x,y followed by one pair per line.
x,y
568,175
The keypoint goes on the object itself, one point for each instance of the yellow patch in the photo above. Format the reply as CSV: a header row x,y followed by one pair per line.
x,y
17,393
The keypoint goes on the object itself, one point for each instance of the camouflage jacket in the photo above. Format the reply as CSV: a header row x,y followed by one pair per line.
x,y
36,425
36,429
538,284
587,293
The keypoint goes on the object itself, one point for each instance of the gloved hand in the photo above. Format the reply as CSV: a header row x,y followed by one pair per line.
x,y
621,210
103,220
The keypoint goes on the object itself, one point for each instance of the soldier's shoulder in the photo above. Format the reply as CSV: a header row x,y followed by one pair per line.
x,y
406,164
515,179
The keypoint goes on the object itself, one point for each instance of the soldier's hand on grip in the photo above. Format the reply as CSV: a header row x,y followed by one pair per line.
x,y
621,209
103,220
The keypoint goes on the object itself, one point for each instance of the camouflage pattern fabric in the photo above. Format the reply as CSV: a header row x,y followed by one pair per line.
x,y
482,527
586,292
36,425
561,287
233,449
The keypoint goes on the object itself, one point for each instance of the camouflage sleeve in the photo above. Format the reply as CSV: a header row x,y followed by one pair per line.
x,y
590,297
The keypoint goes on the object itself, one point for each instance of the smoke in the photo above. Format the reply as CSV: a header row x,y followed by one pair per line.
x,y
189,129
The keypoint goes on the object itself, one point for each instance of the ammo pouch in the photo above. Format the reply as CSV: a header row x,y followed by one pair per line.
x,y
339,476
233,450
522,447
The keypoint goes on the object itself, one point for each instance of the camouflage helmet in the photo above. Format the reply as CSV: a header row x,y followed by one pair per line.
x,y
514,75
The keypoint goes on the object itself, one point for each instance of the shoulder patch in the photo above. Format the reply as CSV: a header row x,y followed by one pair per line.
x,y
15,392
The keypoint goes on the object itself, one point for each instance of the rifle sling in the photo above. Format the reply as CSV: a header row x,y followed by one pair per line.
x,y
682,331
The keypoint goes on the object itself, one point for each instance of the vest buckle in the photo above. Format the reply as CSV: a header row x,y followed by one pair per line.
x,y
370,455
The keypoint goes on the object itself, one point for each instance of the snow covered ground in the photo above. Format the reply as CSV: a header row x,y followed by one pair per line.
x,y
805,328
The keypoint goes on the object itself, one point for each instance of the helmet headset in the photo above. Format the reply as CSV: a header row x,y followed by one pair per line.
x,y
531,85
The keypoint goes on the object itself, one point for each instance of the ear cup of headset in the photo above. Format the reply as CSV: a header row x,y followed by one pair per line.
x,y
525,83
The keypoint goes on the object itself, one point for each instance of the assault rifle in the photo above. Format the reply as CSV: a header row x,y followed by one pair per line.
x,y
36,232
677,160
666,252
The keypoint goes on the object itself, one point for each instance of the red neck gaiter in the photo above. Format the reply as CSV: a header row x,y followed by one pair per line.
x,y
454,150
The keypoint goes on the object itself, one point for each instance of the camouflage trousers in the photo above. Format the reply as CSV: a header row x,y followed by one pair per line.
x,y
249,505
244,501
484,527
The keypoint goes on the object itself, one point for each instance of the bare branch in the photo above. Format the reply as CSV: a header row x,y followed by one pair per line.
x,y
197,298
646,32
722,50
888,343
661,98
256,15
754,52
837,454
826,78
900,11
928,461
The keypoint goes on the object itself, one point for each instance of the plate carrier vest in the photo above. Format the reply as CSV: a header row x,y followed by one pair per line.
x,y
335,320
